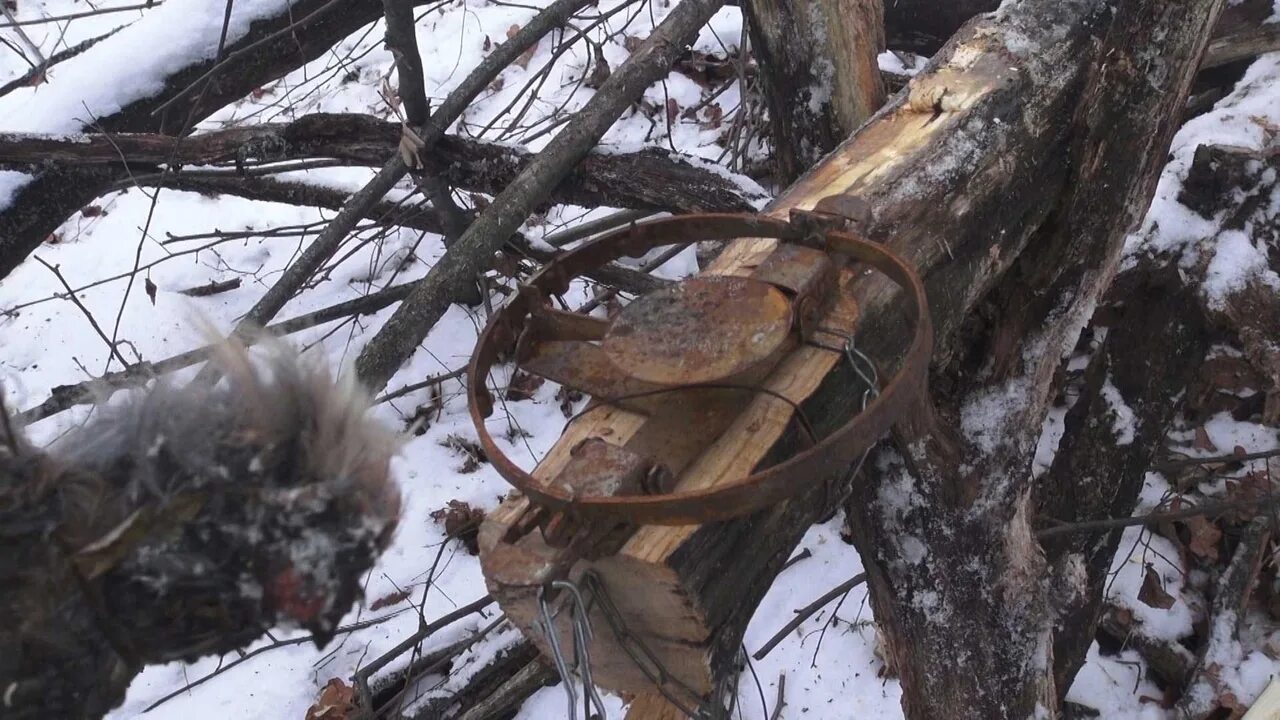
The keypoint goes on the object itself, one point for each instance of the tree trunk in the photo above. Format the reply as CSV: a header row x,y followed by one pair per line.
x,y
821,78
1002,176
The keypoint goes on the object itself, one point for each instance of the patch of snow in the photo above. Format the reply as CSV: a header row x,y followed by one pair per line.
x,y
1122,424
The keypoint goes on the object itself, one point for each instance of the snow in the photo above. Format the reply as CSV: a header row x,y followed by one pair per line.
x,y
1123,419
1241,119
48,342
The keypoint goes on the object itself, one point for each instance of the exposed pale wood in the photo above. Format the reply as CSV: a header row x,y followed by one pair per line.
x,y
653,707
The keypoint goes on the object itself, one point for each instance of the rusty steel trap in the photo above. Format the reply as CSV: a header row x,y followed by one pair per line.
x,y
700,350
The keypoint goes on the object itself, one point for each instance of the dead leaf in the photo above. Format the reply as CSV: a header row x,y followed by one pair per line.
x,y
337,702
1202,441
1250,492
92,211
470,451
714,115
461,522
673,110
522,386
150,288
567,396
599,72
527,55
1205,537
488,44
1152,592
388,600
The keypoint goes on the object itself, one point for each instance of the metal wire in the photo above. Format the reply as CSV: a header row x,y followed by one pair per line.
x,y
580,620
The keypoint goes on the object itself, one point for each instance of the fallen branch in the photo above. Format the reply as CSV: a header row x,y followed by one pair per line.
x,y
648,179
473,252
807,612
53,194
327,243
1168,659
1221,648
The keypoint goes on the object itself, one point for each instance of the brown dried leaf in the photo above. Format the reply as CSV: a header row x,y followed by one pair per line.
x,y
488,44
337,702
1205,537
473,455
150,288
673,110
388,600
1152,592
567,396
523,385
527,55
462,523
1202,441
92,211
600,70
714,115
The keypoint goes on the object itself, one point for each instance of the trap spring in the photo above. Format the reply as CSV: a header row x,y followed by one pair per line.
x,y
707,340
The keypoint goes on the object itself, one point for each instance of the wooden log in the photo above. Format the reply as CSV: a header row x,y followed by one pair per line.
x,y
956,175
812,105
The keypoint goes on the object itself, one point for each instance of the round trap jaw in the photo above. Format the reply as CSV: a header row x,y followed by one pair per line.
x,y
690,356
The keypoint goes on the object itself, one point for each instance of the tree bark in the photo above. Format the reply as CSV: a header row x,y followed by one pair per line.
x,y
999,610
922,26
818,65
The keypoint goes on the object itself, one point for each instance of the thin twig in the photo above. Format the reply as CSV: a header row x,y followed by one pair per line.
x,y
75,16
808,611
278,644
71,295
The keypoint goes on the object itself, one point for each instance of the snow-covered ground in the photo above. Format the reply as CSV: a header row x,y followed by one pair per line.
x,y
46,341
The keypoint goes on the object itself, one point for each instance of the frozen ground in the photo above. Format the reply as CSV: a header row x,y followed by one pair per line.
x,y
46,341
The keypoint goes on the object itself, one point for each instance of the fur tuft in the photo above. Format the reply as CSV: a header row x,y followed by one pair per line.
x,y
189,518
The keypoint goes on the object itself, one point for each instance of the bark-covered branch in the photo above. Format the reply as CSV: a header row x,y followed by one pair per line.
x,y
652,178
473,252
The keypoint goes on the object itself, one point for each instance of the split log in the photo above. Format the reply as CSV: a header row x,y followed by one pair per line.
x,y
649,179
958,175
813,106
